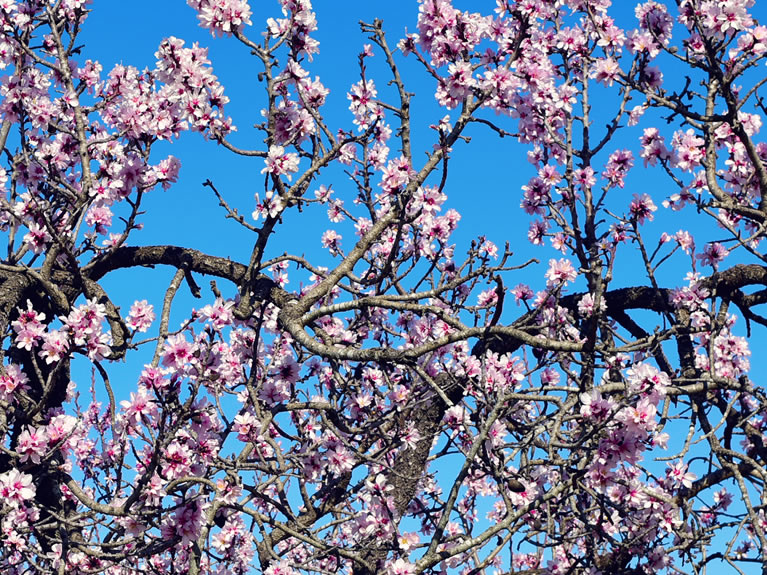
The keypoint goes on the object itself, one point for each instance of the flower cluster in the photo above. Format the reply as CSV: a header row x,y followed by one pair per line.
x,y
222,17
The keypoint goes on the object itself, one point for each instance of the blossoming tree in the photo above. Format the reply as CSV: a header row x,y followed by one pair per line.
x,y
413,408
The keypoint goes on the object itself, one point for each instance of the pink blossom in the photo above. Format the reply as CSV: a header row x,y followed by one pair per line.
x,y
312,428
685,241
688,150
339,460
550,377
640,416
363,104
606,71
560,272
584,178
399,394
679,476
332,241
636,114
141,316
654,18
335,211
677,201
198,98
314,93
280,163
536,196
274,391
537,232
411,437
100,218
280,568
661,440
222,16
177,460
488,249
487,298
653,147
166,172
713,254
55,346
618,165
291,123
177,351
219,314
37,238
187,521
726,18
11,380
723,499
16,487
83,325
559,242
522,292
396,174
137,408
586,305
400,567
642,208
428,199
595,407
246,425
271,206
456,87
59,427
408,541
32,444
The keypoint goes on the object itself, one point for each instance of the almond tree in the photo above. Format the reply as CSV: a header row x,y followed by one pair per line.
x,y
414,408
